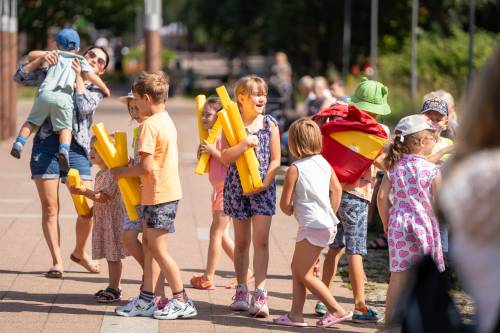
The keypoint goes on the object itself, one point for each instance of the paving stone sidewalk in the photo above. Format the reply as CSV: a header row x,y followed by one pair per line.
x,y
30,302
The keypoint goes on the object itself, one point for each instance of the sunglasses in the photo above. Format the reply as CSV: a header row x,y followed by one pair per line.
x,y
100,61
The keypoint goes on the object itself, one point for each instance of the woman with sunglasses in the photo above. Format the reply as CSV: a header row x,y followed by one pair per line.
x,y
44,163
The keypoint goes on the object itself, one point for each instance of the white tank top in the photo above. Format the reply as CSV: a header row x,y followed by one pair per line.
x,y
311,199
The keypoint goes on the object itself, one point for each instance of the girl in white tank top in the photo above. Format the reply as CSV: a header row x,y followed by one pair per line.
x,y
312,194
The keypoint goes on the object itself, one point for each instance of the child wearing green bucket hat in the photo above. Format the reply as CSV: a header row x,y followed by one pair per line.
x,y
371,97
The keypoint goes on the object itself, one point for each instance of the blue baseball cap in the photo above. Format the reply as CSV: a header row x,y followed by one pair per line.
x,y
68,39
435,104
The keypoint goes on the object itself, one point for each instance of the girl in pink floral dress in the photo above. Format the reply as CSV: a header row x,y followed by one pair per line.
x,y
107,232
405,203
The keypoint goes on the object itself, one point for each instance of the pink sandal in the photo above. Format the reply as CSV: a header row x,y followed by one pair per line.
x,y
284,320
329,319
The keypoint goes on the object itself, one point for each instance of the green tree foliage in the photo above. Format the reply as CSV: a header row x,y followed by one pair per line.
x,y
37,16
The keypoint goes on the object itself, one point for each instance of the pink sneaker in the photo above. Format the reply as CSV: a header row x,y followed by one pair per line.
x,y
258,305
161,302
240,299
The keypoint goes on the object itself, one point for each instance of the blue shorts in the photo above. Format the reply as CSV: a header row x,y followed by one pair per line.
x,y
133,225
44,163
352,229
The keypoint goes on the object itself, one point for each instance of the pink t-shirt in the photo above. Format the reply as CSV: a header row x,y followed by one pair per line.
x,y
217,170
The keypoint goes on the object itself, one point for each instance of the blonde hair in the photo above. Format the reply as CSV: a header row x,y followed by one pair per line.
x,y
247,84
304,138
154,84
406,145
480,125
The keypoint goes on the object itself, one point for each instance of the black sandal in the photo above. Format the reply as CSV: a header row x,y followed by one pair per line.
x,y
108,295
379,243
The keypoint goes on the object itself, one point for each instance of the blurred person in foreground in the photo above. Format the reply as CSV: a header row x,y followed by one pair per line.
x,y
470,196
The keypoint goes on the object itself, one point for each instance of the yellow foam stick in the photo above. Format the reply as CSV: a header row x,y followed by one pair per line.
x,y
121,147
81,205
130,209
239,130
100,151
203,132
214,133
108,148
241,165
128,187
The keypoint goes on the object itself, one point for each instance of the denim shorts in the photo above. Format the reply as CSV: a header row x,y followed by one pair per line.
x,y
44,163
352,229
161,216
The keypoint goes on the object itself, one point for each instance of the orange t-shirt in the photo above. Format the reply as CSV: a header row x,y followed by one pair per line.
x,y
158,137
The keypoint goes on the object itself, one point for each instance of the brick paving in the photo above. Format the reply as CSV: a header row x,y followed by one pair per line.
x,y
29,302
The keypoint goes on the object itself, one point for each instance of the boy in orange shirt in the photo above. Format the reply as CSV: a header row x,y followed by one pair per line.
x,y
160,195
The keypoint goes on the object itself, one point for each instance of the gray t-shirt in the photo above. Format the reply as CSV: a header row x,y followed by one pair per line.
x,y
61,76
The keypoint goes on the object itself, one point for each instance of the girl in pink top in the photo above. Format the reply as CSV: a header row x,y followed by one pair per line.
x,y
220,221
405,203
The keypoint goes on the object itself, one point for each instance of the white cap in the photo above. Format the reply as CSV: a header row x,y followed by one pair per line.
x,y
125,99
413,124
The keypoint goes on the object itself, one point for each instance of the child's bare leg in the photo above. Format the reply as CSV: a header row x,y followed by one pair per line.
x,y
357,279
65,136
217,230
158,280
156,244
330,265
227,241
148,279
305,257
396,284
242,238
228,247
26,129
299,293
115,274
153,280
260,238
134,246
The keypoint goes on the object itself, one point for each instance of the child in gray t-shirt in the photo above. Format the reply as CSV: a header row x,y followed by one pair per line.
x,y
55,96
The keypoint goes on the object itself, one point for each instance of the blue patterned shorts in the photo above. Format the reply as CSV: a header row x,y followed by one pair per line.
x,y
161,216
133,225
352,229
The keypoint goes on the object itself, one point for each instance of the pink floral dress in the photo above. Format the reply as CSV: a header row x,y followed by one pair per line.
x,y
413,227
108,220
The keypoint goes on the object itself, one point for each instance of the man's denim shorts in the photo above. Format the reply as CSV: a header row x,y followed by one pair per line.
x,y
44,162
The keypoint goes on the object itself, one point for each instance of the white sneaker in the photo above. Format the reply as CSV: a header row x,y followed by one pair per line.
x,y
136,307
240,299
258,305
176,309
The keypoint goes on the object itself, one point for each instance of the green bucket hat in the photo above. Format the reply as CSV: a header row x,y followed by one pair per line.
x,y
371,96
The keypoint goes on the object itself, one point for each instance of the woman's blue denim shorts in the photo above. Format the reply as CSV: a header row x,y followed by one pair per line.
x,y
44,163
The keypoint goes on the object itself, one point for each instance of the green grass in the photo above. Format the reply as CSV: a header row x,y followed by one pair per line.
x,y
26,92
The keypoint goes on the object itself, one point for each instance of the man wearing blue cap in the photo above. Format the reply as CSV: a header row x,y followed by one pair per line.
x,y
54,97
